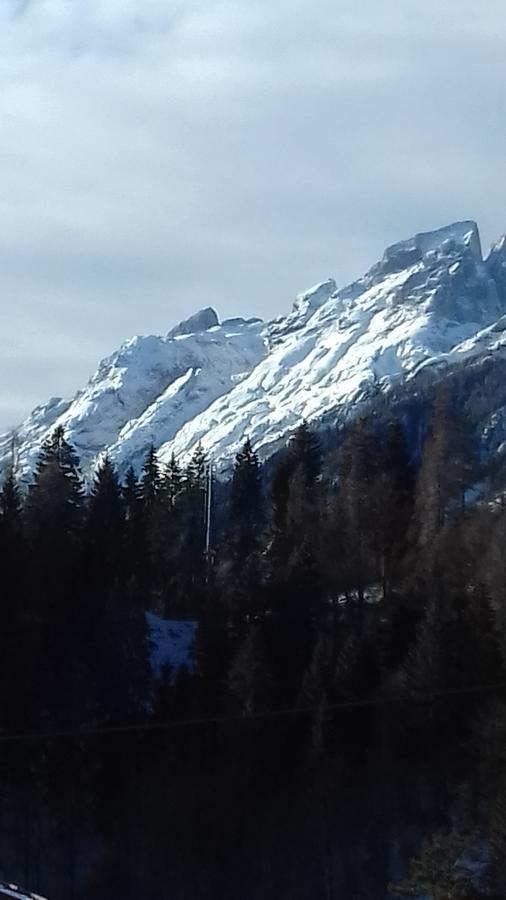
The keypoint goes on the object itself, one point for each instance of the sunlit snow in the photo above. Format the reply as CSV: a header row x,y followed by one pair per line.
x,y
430,301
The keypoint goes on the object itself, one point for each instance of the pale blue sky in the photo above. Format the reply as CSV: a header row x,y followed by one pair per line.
x,y
160,156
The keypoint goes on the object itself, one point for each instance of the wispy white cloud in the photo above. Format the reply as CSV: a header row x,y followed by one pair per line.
x,y
159,156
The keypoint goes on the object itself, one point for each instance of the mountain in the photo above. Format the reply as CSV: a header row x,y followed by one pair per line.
x,y
145,392
432,305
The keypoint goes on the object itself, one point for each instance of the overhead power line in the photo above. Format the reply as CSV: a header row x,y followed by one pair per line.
x,y
99,731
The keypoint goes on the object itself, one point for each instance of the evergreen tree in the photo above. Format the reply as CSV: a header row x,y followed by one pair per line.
x,y
305,451
424,668
246,499
446,472
280,491
11,537
54,520
10,501
57,486
295,499
131,494
165,534
196,471
135,543
444,869
359,461
172,480
54,508
151,481
393,493
152,501
195,493
15,609
105,524
431,490
302,461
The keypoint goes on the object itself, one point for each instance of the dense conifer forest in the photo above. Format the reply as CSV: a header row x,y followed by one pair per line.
x,y
340,731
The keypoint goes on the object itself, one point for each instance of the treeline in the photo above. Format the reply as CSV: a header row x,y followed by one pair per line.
x,y
346,694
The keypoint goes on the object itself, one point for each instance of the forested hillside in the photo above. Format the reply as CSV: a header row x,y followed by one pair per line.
x,y
344,711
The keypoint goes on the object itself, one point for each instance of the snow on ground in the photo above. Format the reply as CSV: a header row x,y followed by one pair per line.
x,y
12,890
171,642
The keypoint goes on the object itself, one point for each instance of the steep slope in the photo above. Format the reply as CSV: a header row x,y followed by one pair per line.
x,y
423,300
145,392
429,304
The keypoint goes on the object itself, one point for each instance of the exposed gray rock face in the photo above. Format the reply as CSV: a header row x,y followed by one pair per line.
x,y
203,320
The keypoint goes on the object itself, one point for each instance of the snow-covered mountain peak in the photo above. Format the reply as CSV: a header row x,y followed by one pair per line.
x,y
426,296
429,302
442,242
441,271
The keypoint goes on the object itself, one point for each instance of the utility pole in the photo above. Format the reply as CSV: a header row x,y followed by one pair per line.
x,y
208,511
14,452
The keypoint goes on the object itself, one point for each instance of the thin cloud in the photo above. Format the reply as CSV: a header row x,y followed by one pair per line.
x,y
159,157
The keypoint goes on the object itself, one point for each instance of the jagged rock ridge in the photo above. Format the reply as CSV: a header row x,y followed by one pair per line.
x,y
431,302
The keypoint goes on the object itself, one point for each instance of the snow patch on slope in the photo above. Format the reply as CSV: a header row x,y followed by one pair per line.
x,y
171,644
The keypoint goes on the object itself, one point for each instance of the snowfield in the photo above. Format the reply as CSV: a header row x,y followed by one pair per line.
x,y
171,644
431,301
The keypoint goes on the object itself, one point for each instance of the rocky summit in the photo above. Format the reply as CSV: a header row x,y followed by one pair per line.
x,y
432,304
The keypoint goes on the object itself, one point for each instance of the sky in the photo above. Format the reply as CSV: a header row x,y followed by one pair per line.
x,y
157,156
